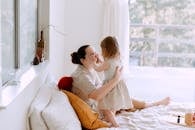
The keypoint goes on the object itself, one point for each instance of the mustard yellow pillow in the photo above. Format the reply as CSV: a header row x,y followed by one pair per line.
x,y
88,118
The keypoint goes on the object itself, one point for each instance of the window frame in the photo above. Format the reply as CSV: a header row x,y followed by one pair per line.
x,y
17,68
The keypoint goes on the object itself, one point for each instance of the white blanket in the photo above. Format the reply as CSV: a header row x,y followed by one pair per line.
x,y
52,110
154,118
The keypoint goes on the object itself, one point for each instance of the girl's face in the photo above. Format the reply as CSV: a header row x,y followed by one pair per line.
x,y
91,56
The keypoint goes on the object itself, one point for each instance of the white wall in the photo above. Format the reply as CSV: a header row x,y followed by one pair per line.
x,y
80,21
73,23
14,115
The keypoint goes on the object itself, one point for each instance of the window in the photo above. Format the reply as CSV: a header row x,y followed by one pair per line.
x,y
162,33
18,35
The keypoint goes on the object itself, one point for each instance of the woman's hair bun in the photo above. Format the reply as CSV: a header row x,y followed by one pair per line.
x,y
75,58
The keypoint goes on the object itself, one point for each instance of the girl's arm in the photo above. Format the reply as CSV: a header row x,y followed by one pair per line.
x,y
100,64
102,67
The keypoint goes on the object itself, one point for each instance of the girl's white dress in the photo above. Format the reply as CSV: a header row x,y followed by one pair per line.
x,y
118,98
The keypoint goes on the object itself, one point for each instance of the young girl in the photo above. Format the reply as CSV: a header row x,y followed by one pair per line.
x,y
119,97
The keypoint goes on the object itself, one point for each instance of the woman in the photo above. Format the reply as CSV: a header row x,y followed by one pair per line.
x,y
87,84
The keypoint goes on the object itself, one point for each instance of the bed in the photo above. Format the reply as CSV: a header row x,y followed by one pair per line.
x,y
156,118
51,109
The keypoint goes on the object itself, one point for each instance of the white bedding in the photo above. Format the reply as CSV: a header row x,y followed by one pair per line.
x,y
154,118
63,117
51,110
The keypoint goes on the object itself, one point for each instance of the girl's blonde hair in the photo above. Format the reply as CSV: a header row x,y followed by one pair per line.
x,y
110,47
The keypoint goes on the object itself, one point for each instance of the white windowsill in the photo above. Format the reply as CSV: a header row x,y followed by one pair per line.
x,y
162,72
12,90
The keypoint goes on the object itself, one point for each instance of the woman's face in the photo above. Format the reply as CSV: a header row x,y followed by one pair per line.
x,y
91,56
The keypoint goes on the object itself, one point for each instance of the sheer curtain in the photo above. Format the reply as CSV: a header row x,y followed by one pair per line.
x,y
116,23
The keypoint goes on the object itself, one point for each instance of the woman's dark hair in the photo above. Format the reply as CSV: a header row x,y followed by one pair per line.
x,y
80,54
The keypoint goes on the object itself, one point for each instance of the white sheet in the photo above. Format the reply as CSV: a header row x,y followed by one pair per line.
x,y
153,118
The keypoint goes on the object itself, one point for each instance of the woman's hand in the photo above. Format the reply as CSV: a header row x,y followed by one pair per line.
x,y
102,91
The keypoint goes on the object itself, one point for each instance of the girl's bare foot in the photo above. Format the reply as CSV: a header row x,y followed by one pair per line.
x,y
112,121
109,116
115,125
164,101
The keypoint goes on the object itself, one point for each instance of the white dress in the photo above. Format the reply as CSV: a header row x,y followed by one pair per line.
x,y
118,98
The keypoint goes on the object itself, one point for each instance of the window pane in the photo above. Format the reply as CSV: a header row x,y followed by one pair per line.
x,y
7,39
176,61
28,31
177,32
142,53
143,11
176,12
167,25
142,32
177,47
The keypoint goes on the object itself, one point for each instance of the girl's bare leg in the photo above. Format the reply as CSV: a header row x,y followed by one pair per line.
x,y
110,117
141,105
164,101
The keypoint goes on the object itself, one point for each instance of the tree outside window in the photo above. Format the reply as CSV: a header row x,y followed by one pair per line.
x,y
162,33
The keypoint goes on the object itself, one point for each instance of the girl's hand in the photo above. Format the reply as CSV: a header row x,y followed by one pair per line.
x,y
99,60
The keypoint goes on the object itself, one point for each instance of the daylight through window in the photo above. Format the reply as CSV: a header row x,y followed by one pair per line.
x,y
18,35
162,33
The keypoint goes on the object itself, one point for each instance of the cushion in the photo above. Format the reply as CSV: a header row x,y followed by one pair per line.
x,y
88,118
38,104
59,114
65,83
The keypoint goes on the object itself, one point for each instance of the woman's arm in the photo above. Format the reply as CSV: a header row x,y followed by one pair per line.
x,y
102,91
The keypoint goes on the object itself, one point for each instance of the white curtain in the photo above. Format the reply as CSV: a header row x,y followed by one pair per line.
x,y
116,23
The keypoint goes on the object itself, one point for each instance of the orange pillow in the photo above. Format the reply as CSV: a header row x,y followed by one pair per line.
x,y
65,83
88,118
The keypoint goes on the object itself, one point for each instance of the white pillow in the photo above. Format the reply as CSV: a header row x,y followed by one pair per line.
x,y
59,114
38,104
